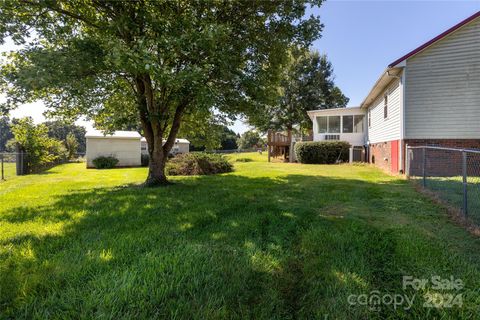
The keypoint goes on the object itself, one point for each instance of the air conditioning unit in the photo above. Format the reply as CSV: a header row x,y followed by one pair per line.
x,y
332,137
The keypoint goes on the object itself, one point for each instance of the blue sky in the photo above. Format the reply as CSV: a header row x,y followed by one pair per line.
x,y
361,38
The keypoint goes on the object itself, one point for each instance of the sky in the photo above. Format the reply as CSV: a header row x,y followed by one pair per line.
x,y
360,38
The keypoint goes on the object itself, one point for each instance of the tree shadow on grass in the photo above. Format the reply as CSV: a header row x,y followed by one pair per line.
x,y
217,246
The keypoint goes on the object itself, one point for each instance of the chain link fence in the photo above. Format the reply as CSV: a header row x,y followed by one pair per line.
x,y
12,164
451,174
16,164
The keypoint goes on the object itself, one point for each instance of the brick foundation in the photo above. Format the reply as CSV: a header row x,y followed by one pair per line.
x,y
443,163
379,154
439,162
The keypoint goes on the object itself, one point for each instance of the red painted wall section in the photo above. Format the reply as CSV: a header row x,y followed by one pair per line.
x,y
394,156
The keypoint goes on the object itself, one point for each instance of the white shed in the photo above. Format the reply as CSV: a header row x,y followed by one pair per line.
x,y
123,145
180,146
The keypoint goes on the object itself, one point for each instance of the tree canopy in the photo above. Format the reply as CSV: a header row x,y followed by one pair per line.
x,y
39,147
5,132
250,139
307,83
168,65
61,130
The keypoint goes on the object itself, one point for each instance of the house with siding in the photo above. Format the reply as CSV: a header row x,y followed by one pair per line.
x,y
430,96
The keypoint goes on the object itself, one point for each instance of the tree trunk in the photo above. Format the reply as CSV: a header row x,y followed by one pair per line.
x,y
157,159
154,130
156,169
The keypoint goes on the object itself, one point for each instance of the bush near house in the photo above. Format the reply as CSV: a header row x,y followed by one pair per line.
x,y
323,152
105,162
198,163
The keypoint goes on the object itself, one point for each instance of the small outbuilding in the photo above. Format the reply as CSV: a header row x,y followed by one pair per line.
x,y
180,146
123,145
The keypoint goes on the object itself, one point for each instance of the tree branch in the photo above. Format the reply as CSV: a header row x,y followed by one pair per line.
x,y
177,118
59,10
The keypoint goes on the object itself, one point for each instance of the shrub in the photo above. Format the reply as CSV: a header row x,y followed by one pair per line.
x,y
324,152
42,151
198,163
105,162
145,159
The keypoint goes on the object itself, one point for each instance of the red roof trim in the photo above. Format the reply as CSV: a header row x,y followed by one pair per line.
x,y
440,36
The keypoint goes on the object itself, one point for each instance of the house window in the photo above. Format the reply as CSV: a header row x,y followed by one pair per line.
x,y
328,124
347,124
334,124
369,118
385,107
322,124
358,124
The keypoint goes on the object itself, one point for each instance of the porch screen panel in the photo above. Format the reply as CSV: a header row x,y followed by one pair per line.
x,y
347,124
322,124
334,124
358,124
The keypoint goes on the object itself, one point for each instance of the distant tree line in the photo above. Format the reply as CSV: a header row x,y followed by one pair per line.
x,y
219,137
250,139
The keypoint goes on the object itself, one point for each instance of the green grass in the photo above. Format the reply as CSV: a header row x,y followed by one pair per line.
x,y
450,190
270,240
9,170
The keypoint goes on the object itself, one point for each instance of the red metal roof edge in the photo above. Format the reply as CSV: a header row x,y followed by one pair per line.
x,y
440,36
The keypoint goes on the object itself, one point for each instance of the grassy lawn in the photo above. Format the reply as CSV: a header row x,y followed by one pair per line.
x,y
270,240
9,170
450,190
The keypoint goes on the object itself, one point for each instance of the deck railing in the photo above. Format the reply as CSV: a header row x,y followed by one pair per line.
x,y
278,139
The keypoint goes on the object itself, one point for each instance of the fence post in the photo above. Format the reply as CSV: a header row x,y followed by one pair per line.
x,y
465,185
3,173
350,155
407,161
424,169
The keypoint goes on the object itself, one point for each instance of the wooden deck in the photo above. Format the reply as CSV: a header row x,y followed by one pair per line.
x,y
279,145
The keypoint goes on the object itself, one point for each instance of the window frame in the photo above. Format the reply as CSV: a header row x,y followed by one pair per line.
x,y
354,123
318,127
385,106
339,124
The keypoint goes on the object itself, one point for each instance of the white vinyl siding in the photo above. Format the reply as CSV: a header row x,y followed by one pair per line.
x,y
385,129
442,88
127,150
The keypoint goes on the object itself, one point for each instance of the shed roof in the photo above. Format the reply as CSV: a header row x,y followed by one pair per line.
x,y
116,134
176,140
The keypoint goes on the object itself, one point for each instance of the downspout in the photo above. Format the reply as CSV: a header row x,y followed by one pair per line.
x,y
402,116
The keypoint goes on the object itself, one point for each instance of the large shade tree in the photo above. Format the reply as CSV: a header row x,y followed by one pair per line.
x,y
162,62
307,83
